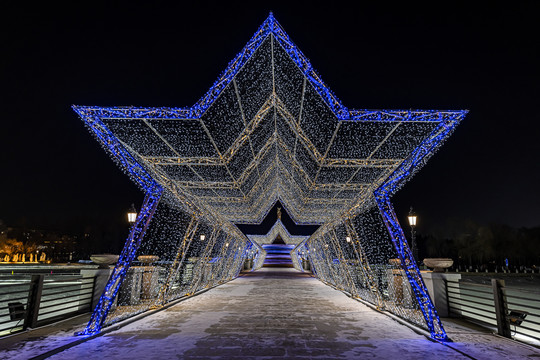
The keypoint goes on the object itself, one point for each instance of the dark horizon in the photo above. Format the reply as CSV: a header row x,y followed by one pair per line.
x,y
460,56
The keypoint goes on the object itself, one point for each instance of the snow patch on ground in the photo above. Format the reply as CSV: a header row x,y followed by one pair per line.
x,y
275,314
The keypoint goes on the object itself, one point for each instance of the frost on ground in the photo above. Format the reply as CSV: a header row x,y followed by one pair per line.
x,y
280,313
41,340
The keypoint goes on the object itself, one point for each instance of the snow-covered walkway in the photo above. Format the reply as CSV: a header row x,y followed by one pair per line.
x,y
281,313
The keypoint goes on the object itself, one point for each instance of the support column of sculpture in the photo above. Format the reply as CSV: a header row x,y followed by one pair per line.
x,y
222,263
410,268
343,262
236,259
382,197
198,273
243,257
133,242
329,262
364,264
314,260
178,260
236,262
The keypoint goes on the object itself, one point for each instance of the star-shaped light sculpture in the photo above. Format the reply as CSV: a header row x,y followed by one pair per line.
x,y
269,130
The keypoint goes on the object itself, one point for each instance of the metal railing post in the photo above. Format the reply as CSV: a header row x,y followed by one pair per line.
x,y
447,295
503,326
34,299
92,302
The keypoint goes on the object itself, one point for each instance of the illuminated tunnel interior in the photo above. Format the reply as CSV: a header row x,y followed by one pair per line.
x,y
268,137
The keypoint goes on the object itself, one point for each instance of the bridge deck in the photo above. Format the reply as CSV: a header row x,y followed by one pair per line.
x,y
279,313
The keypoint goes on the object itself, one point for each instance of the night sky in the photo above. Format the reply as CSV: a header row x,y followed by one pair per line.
x,y
444,56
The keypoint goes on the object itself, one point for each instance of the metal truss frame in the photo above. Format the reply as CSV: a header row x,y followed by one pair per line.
x,y
276,181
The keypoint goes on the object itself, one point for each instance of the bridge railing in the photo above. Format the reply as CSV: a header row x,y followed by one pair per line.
x,y
512,312
36,300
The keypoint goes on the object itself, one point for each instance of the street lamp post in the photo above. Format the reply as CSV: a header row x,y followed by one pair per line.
x,y
132,214
412,222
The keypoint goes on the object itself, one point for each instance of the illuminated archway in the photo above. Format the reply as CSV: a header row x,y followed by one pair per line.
x,y
270,130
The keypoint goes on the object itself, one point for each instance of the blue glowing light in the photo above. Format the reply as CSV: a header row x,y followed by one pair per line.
x,y
153,193
446,122
382,196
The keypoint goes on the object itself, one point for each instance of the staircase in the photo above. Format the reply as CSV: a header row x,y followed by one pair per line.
x,y
278,255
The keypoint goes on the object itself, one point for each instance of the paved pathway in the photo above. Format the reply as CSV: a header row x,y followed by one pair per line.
x,y
281,313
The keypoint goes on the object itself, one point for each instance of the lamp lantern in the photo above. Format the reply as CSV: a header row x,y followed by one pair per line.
x,y
132,214
412,222
412,219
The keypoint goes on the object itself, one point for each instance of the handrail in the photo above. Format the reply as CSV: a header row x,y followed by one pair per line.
x,y
467,300
39,300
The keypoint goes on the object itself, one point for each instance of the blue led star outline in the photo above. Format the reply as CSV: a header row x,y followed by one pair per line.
x,y
447,120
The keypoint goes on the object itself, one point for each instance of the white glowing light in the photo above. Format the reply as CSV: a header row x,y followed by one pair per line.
x,y
270,129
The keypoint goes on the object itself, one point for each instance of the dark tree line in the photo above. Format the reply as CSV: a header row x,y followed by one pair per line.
x,y
472,244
